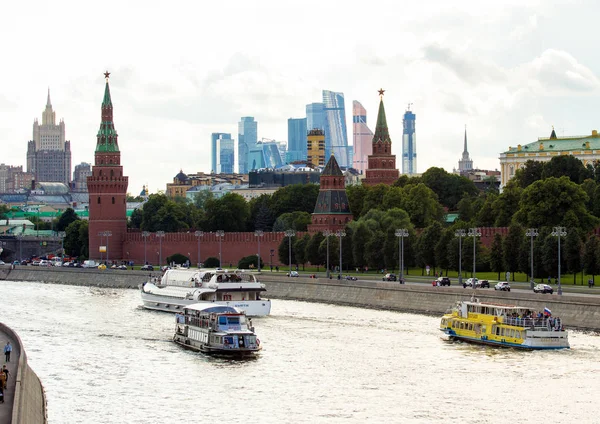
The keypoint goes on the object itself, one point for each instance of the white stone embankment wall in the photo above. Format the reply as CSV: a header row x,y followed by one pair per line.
x,y
582,311
29,405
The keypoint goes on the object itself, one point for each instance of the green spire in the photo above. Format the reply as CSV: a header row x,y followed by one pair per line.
x,y
107,135
382,134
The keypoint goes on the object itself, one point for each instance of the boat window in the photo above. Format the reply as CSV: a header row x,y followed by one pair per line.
x,y
233,320
222,320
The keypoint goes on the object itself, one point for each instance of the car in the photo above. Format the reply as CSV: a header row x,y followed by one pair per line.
x,y
442,281
502,285
16,263
543,288
293,274
67,264
44,262
147,268
2,262
122,266
351,277
389,277
483,284
469,282
101,266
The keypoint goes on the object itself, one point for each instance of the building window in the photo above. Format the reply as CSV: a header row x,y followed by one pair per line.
x,y
98,199
113,200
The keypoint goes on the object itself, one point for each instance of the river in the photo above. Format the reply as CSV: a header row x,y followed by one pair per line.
x,y
104,359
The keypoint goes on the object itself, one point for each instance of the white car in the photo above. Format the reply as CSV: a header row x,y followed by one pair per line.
x,y
293,274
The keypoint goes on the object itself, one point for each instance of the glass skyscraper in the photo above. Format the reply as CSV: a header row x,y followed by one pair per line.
x,y
215,151
409,144
296,149
264,155
315,116
336,135
226,149
362,137
247,139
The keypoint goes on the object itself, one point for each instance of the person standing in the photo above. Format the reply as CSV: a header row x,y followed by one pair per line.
x,y
6,374
7,351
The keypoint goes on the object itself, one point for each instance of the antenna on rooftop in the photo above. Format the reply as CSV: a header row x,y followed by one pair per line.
x,y
408,107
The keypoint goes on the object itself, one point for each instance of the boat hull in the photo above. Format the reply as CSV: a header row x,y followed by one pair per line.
x,y
530,343
252,308
210,350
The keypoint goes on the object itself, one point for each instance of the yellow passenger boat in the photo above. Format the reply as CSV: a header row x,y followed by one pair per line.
x,y
504,325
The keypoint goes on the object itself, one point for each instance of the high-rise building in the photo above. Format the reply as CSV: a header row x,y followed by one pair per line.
x,y
264,155
465,164
80,174
316,147
49,154
107,187
315,116
336,135
296,149
382,164
362,137
247,139
222,158
409,144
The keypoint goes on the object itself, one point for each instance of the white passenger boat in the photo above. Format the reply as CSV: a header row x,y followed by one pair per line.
x,y
181,287
215,329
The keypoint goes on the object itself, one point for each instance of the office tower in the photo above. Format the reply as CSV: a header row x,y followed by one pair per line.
x,y
247,139
264,155
222,151
296,149
362,137
315,116
107,187
336,136
80,174
226,152
49,154
382,164
409,144
465,164
316,147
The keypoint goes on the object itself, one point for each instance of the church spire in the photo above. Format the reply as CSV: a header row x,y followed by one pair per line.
x,y
382,134
48,103
465,149
107,135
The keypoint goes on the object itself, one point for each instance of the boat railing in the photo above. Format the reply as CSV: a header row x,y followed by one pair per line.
x,y
538,324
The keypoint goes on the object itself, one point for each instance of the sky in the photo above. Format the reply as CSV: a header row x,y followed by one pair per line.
x,y
509,71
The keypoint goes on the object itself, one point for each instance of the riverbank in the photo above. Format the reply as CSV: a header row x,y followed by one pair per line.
x,y
576,310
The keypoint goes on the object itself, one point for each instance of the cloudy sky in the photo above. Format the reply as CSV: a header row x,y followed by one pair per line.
x,y
181,70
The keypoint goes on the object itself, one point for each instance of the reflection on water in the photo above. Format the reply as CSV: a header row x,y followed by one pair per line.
x,y
104,359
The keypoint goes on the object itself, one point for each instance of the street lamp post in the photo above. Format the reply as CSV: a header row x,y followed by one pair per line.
x,y
199,234
100,234
62,234
160,235
401,233
145,235
259,234
531,233
290,234
220,234
107,234
326,234
20,237
340,234
272,252
558,232
460,234
474,232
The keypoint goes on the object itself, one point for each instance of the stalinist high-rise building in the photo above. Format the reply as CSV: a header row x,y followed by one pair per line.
x,y
49,154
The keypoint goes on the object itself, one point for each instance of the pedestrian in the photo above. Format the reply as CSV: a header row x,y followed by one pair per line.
x,y
7,350
6,374
2,381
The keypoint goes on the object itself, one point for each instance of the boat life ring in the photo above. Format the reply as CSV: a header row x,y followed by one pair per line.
x,y
257,341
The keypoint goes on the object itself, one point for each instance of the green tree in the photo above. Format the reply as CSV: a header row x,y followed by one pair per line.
x,y
566,166
250,262
497,255
295,198
136,218
230,213
441,249
202,197
422,205
178,259
546,203
298,221
505,205
529,173
573,252
300,250
312,253
426,243
591,256
374,197
76,241
450,188
356,196
212,262
283,251
373,251
65,219
360,236
466,210
512,244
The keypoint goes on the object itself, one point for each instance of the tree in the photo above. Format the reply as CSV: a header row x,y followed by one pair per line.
x,y
512,245
212,262
567,166
591,256
230,213
505,205
65,219
295,198
136,218
441,249
76,241
426,243
283,251
546,203
360,236
298,221
573,251
300,249
178,259
466,211
250,262
450,188
373,251
497,255
312,254
202,197
374,197
422,205
356,195
528,173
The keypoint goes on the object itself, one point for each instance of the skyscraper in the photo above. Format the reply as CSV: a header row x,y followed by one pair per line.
x,y
316,147
382,164
315,116
409,144
296,140
336,135
465,164
247,139
362,137
49,154
222,153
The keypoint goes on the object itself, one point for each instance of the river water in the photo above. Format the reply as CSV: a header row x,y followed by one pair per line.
x,y
104,359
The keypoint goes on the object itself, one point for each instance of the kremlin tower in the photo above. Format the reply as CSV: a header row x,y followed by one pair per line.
x,y
107,189
381,164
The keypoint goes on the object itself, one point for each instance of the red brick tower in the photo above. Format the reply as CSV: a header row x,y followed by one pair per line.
x,y
332,211
381,164
108,189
